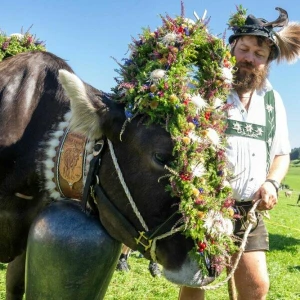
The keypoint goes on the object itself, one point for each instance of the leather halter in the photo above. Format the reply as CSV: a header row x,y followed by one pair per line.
x,y
93,190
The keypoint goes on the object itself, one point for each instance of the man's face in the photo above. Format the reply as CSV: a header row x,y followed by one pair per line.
x,y
251,62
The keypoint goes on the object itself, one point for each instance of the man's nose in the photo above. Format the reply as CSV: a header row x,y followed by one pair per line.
x,y
249,57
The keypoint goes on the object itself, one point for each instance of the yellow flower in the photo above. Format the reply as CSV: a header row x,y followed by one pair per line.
x,y
173,98
201,214
153,104
230,211
191,125
153,88
195,192
163,60
186,140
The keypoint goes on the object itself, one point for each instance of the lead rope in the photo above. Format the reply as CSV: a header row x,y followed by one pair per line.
x,y
251,219
153,245
126,190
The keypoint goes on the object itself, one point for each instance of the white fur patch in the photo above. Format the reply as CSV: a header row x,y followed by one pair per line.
x,y
188,275
51,152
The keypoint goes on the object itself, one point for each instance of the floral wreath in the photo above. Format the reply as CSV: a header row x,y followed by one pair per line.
x,y
179,76
18,43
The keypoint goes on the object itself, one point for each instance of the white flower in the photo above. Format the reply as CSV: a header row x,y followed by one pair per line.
x,y
216,225
199,102
227,75
228,226
225,184
213,136
157,74
19,36
189,21
194,137
218,103
170,38
198,170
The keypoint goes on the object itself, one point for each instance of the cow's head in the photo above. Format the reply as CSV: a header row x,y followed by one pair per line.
x,y
142,152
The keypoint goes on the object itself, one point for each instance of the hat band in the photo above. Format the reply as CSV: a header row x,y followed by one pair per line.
x,y
246,29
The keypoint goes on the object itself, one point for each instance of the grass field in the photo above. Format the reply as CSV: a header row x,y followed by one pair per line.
x,y
283,260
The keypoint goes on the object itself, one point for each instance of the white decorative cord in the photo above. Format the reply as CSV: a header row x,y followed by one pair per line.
x,y
164,235
127,192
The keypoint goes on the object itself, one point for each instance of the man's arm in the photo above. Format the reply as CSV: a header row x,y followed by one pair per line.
x,y
279,167
267,192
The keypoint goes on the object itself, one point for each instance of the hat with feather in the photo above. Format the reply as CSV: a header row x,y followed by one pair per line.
x,y
284,43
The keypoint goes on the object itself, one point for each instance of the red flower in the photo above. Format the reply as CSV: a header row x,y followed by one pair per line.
x,y
180,30
160,94
207,115
226,63
185,177
201,246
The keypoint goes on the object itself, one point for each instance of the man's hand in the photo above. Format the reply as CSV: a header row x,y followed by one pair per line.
x,y
268,195
267,192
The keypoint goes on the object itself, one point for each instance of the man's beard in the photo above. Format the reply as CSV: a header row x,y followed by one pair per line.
x,y
250,79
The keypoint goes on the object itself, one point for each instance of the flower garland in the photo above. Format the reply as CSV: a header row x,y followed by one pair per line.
x,y
179,76
18,43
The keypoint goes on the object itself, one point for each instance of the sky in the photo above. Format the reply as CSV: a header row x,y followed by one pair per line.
x,y
87,34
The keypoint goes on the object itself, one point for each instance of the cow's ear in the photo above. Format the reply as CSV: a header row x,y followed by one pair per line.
x,y
85,110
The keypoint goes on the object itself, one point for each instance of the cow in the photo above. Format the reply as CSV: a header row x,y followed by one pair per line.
x,y
288,194
122,185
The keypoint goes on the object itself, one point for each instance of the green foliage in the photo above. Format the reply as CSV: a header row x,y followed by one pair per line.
x,y
238,19
18,43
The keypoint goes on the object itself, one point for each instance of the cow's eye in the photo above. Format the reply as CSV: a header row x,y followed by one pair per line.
x,y
162,159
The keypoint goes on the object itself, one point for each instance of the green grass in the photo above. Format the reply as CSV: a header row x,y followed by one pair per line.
x,y
283,260
292,179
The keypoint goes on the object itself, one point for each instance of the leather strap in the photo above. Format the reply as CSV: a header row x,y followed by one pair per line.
x,y
70,164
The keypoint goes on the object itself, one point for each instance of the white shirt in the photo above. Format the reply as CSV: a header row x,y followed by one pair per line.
x,y
247,156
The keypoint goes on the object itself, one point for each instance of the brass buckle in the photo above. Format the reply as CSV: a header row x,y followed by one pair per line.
x,y
144,241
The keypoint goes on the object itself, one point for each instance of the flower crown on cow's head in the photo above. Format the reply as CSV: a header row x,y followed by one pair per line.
x,y
179,76
18,43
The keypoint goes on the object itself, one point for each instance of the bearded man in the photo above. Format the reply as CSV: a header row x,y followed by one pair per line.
x,y
258,145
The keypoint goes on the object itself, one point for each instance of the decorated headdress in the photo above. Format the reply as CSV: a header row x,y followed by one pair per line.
x,y
285,43
179,76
